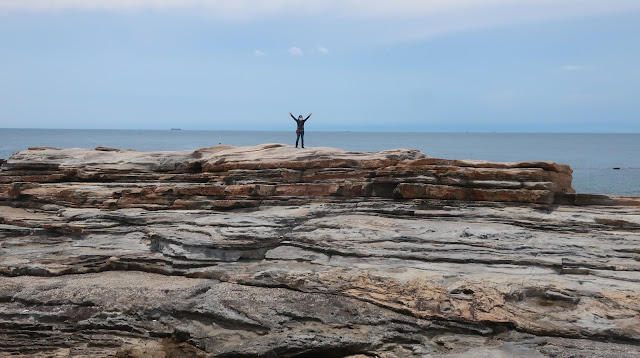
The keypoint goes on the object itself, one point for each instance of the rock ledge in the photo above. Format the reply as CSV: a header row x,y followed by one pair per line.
x,y
231,177
270,251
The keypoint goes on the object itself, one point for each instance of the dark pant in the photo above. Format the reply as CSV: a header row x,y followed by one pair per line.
x,y
300,135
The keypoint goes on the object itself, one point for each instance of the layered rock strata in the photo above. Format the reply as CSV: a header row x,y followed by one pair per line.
x,y
119,253
229,177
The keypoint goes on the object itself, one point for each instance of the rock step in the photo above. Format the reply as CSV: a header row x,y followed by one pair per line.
x,y
248,176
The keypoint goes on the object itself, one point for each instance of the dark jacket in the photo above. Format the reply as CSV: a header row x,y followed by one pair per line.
x,y
300,123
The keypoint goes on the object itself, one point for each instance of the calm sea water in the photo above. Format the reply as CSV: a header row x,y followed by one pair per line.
x,y
592,156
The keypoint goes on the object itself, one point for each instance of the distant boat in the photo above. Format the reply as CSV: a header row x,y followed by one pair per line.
x,y
176,129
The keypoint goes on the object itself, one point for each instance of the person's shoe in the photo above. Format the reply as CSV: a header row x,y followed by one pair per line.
x,y
296,146
303,146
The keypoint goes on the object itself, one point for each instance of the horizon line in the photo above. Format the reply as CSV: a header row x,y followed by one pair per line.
x,y
337,131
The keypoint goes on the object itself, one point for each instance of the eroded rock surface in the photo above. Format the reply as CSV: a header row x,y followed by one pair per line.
x,y
122,253
232,177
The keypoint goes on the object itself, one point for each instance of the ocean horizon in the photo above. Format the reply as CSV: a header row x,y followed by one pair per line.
x,y
603,163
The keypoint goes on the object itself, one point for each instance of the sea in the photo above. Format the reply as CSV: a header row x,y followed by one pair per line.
x,y
602,163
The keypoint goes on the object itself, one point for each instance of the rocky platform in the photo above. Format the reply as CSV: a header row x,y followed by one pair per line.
x,y
270,251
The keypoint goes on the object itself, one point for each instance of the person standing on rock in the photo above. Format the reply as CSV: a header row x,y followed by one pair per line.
x,y
300,130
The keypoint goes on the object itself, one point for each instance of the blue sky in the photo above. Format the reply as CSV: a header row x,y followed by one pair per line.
x,y
403,65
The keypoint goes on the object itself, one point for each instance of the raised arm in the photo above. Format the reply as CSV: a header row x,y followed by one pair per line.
x,y
294,118
308,116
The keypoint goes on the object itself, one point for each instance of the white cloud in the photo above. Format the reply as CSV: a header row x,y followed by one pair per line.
x,y
364,8
259,53
568,68
322,50
349,8
295,51
405,20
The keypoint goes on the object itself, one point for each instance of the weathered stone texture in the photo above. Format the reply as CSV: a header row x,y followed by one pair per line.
x,y
272,252
110,178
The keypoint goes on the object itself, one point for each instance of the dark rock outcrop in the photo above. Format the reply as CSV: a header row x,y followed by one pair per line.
x,y
321,253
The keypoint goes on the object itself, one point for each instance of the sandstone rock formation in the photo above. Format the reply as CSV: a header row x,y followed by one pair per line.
x,y
270,251
230,177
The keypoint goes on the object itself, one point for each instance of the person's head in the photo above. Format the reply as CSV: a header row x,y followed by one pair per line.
x,y
300,116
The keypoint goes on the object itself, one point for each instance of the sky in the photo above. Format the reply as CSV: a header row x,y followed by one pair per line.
x,y
361,65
